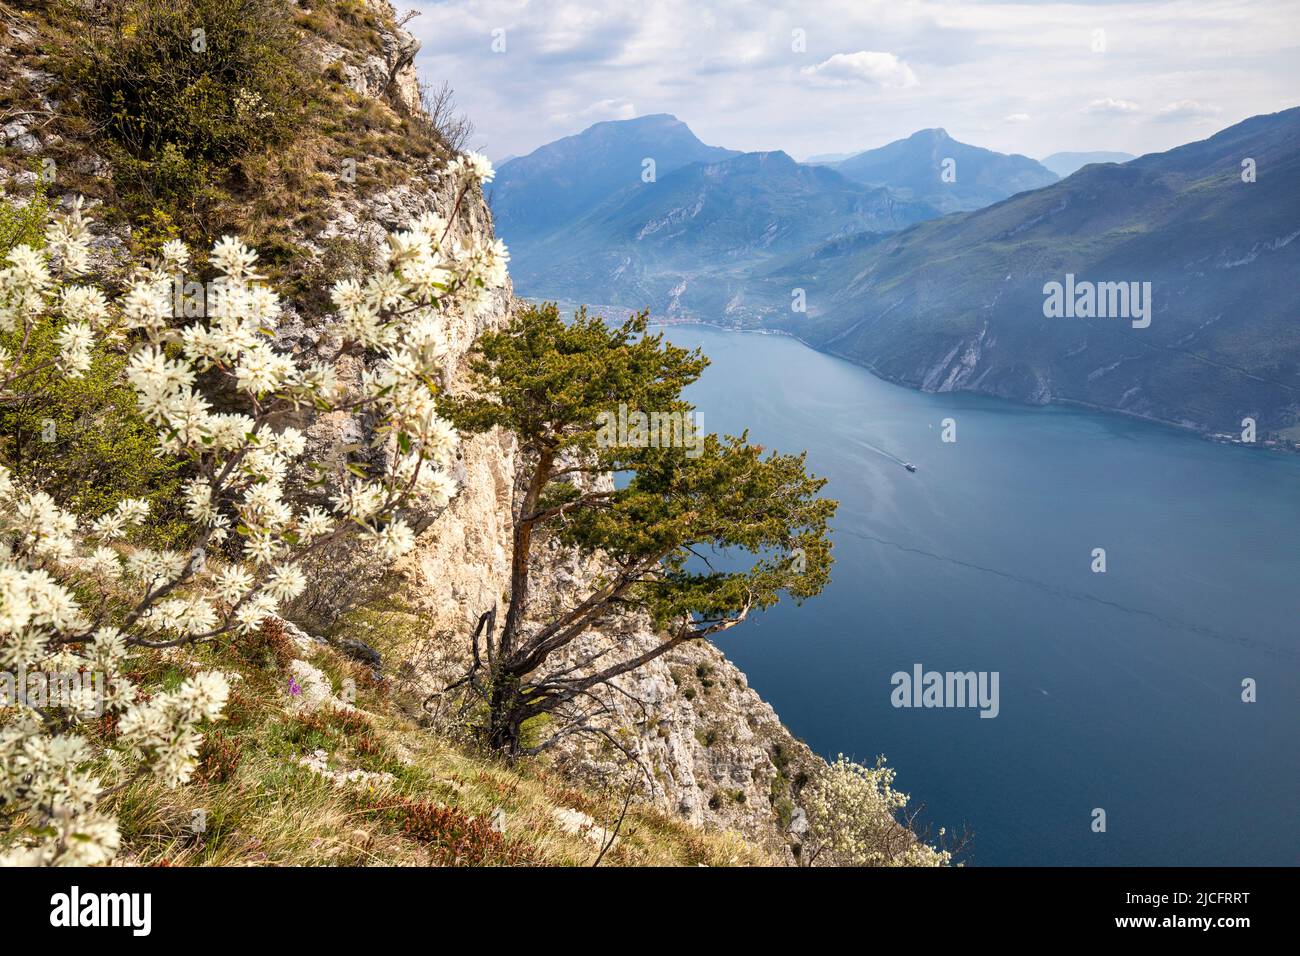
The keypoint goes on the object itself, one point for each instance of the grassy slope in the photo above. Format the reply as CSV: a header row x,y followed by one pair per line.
x,y
264,808
273,198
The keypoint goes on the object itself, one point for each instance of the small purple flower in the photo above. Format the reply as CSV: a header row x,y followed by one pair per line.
x,y
294,689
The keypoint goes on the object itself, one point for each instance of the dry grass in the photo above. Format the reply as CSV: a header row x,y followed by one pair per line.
x,y
261,807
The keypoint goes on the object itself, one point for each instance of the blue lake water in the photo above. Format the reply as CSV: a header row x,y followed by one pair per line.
x,y
1119,690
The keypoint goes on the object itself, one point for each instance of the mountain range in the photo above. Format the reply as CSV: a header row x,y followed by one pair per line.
x,y
561,181
639,213
958,303
688,243
945,302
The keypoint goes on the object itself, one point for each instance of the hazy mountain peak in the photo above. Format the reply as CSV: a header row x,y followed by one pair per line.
x,y
774,156
1064,164
953,176
649,119
566,179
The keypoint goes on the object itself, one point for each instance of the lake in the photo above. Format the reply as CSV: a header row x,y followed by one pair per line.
x,y
1119,690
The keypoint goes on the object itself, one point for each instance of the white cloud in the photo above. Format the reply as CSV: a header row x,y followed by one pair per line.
x,y
729,69
1017,118
1111,107
1188,110
866,66
611,109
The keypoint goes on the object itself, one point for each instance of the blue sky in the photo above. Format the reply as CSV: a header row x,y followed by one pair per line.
x,y
1028,77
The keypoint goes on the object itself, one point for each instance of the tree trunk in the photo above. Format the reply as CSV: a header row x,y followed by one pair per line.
x,y
521,552
504,718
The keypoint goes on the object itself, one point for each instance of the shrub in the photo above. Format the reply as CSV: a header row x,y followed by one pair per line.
x,y
24,223
458,839
267,646
852,815
442,115
85,443
336,721
80,438
80,596
218,758
180,87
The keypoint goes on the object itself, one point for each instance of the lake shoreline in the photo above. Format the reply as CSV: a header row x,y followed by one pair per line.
x,y
1217,438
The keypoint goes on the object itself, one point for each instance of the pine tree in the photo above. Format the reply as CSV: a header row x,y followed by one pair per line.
x,y
697,535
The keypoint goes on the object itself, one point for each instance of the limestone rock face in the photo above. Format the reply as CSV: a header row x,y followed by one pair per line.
x,y
708,748
15,135
717,752
400,47
460,568
703,744
375,76
712,750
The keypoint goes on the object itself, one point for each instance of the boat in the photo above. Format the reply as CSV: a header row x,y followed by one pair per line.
x,y
909,466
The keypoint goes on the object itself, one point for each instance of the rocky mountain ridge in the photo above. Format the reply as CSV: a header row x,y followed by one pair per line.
x,y
958,303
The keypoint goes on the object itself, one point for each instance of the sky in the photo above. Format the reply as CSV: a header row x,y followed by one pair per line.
x,y
839,76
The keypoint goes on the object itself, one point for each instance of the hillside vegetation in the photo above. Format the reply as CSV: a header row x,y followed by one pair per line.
x,y
189,486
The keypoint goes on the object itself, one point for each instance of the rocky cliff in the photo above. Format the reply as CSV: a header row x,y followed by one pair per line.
x,y
716,753
707,748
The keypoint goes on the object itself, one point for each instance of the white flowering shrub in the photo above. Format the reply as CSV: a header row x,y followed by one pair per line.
x,y
852,815
77,596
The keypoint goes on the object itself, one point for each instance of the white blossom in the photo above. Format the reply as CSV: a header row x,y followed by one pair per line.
x,y
851,812
472,167
241,459
233,258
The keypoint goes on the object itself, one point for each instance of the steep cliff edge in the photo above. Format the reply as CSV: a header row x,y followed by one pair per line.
x,y
717,754
709,750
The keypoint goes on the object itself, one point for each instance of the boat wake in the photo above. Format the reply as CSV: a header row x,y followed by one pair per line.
x,y
885,454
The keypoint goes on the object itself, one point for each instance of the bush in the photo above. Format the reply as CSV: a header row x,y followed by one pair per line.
x,y
218,758
24,224
180,87
85,443
852,816
268,645
458,839
82,440
82,597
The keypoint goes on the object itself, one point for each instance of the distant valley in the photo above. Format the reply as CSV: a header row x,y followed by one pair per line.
x,y
925,259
